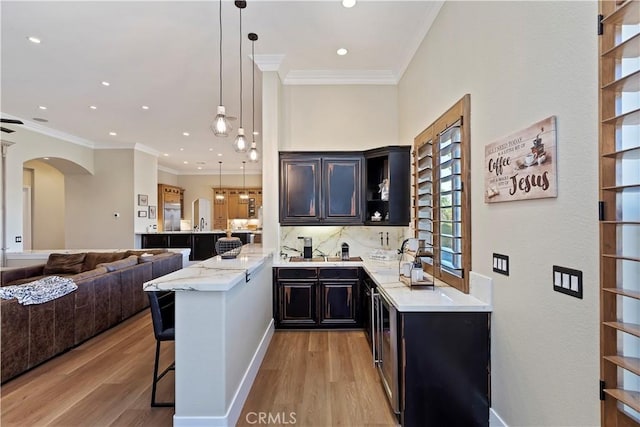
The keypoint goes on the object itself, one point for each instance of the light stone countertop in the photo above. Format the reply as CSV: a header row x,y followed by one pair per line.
x,y
440,298
214,274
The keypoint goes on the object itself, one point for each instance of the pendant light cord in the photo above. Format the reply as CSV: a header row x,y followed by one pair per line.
x,y
253,91
220,19
240,67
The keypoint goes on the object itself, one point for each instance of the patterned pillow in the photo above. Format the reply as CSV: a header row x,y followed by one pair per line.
x,y
64,264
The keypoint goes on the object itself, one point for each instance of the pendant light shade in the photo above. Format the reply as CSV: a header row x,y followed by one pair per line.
x,y
253,155
220,125
240,144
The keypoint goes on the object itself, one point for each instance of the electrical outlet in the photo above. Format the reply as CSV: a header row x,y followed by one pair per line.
x,y
567,281
501,264
18,239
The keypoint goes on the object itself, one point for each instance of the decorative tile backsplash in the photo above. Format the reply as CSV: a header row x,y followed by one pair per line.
x,y
327,240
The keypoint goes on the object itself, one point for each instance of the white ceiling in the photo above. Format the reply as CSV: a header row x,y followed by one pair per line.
x,y
165,55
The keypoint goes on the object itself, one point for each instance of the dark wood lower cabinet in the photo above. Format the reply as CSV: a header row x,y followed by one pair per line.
x,y
316,297
298,303
444,368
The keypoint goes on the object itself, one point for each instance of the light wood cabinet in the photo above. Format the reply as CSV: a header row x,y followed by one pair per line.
x,y
220,209
233,206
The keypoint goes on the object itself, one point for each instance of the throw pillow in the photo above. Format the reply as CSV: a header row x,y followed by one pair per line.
x,y
64,263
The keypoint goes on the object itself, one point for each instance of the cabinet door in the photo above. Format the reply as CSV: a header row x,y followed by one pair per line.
x,y
338,302
299,190
180,240
297,302
220,209
342,190
154,241
203,246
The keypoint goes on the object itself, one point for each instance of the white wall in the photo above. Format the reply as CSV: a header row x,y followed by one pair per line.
x,y
145,167
47,195
522,62
338,117
78,159
92,201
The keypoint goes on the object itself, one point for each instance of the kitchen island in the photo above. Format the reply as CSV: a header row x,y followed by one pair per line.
x,y
223,327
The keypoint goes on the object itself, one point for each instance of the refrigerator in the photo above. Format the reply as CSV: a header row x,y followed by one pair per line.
x,y
171,216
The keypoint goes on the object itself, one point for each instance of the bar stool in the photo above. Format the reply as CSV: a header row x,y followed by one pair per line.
x,y
162,305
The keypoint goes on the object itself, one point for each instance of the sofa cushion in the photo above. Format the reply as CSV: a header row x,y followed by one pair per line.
x,y
120,264
88,274
145,251
95,258
64,263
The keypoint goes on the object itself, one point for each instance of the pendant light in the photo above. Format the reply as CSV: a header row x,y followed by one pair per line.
x,y
221,125
253,152
240,144
220,194
244,197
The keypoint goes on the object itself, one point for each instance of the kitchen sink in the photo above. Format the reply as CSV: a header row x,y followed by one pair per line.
x,y
323,259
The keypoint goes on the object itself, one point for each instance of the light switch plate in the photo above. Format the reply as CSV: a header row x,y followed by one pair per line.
x,y
501,264
18,239
567,281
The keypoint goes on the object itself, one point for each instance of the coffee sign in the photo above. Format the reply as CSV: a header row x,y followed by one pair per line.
x,y
523,165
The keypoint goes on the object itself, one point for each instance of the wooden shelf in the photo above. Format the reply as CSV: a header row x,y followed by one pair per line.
x,y
630,398
630,48
627,258
620,222
622,187
631,364
628,118
630,328
624,293
627,14
635,153
628,83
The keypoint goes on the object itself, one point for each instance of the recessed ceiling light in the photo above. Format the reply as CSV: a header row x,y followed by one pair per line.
x,y
166,154
33,39
219,154
181,149
241,167
185,133
105,83
348,3
210,149
185,162
93,107
199,167
342,51
145,107
255,132
113,133
42,107
46,158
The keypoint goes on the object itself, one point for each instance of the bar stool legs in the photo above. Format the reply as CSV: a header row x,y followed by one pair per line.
x,y
157,378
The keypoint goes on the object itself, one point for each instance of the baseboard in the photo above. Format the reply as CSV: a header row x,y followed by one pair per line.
x,y
495,420
235,409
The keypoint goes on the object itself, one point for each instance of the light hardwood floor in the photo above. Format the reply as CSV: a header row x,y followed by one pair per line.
x,y
310,378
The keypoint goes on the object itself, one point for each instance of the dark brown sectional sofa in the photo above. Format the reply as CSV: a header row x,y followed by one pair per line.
x,y
109,291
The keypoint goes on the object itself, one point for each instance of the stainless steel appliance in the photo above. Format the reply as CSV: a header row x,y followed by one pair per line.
x,y
345,252
171,216
307,249
385,343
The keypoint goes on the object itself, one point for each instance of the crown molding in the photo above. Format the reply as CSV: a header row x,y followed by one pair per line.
x,y
340,77
427,22
54,133
268,62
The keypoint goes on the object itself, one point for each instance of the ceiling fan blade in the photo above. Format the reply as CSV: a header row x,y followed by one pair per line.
x,y
3,129
11,121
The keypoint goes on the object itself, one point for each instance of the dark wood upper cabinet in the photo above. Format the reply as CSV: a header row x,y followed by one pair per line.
x,y
317,189
392,163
